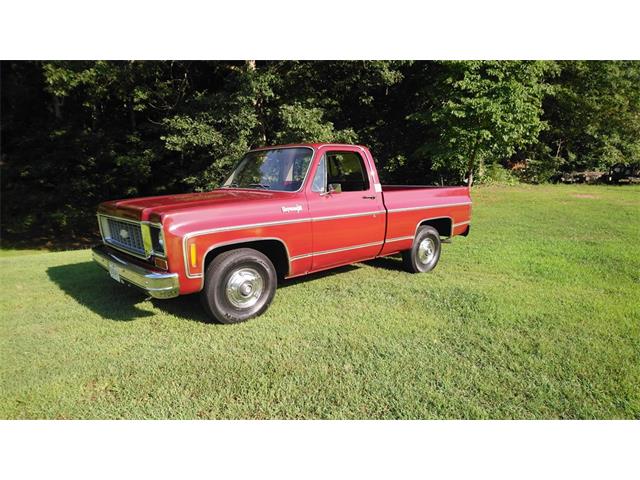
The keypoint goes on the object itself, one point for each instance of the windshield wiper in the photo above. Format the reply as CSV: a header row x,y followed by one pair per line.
x,y
260,185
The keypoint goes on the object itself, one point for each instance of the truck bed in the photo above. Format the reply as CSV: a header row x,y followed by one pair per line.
x,y
401,196
448,209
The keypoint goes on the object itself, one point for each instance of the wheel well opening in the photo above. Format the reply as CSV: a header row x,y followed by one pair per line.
x,y
273,249
442,225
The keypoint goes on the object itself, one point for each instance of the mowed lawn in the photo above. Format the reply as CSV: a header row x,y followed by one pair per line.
x,y
535,315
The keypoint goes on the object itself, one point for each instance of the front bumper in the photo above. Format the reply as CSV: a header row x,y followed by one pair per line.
x,y
157,284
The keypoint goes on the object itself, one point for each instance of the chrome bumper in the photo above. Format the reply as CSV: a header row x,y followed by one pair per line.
x,y
155,283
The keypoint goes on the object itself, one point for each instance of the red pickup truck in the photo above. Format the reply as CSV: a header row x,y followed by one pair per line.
x,y
284,211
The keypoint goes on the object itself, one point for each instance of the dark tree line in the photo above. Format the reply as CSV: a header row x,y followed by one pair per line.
x,y
77,133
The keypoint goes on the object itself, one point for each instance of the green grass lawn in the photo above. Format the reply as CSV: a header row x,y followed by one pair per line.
x,y
535,315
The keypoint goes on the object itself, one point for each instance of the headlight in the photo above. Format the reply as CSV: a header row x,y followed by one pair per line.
x,y
157,240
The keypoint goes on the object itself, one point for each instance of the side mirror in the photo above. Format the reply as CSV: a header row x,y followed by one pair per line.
x,y
334,188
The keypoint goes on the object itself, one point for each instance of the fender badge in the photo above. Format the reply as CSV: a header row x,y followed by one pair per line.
x,y
297,209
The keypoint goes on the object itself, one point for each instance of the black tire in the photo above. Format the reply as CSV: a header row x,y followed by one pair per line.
x,y
238,285
420,259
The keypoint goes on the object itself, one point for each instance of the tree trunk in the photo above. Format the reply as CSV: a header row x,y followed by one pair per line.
x,y
132,114
57,107
257,106
471,163
559,147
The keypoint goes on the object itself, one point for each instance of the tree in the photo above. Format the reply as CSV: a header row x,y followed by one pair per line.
x,y
77,133
480,111
594,114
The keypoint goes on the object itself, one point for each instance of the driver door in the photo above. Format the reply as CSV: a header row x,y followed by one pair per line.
x,y
348,216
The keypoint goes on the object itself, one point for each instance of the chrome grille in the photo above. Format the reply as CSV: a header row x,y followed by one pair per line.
x,y
125,235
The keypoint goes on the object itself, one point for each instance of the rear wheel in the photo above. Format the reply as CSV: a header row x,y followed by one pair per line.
x,y
238,285
425,251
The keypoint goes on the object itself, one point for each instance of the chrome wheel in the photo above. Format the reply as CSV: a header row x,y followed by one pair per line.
x,y
426,251
244,288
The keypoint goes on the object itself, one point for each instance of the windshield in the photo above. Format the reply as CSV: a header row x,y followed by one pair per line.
x,y
277,169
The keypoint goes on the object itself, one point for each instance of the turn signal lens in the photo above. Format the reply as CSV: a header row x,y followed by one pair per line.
x,y
192,254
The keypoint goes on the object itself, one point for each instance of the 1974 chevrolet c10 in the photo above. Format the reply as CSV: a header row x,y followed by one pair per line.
x,y
284,211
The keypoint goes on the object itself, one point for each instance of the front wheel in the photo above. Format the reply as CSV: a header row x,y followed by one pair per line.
x,y
425,251
239,285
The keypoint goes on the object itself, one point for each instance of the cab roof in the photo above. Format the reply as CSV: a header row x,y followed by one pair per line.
x,y
307,145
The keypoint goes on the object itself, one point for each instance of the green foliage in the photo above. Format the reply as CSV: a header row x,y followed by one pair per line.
x,y
482,111
304,124
496,174
594,114
77,133
540,164
188,134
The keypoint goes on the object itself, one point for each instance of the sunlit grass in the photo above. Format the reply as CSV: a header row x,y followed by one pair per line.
x,y
535,315
13,252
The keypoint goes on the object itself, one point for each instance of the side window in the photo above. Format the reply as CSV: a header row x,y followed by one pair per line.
x,y
320,180
347,169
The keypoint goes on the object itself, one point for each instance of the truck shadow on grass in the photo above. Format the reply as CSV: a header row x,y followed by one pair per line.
x,y
189,307
91,287
385,263
282,284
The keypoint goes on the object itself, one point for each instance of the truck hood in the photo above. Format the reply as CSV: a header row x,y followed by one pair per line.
x,y
155,208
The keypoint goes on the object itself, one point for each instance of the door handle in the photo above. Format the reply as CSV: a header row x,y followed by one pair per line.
x,y
370,197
